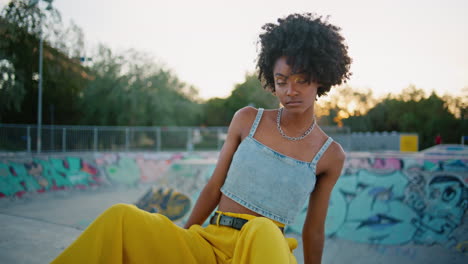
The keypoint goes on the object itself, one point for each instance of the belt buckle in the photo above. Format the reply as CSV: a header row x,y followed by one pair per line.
x,y
227,220
238,223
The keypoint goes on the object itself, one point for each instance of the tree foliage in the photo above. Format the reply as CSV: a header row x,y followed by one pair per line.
x,y
63,78
343,102
413,112
219,112
123,89
130,89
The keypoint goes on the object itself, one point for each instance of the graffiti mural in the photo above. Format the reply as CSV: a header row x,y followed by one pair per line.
x,y
37,175
387,202
446,203
42,174
168,202
152,170
125,171
392,201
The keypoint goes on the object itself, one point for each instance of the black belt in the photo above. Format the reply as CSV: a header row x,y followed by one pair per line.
x,y
234,222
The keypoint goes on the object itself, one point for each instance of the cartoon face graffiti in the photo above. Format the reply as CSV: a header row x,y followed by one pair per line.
x,y
446,193
375,216
447,200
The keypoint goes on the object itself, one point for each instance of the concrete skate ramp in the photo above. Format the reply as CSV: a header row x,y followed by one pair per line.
x,y
385,208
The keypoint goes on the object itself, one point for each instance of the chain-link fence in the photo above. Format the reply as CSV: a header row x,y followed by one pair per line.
x,y
87,138
102,138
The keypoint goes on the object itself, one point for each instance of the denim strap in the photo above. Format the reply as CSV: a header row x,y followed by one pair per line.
x,y
255,123
321,151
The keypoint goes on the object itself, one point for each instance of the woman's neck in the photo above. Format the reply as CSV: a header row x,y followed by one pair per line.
x,y
297,121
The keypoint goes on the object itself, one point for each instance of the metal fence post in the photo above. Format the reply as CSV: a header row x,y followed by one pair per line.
x,y
95,139
126,139
189,140
158,139
52,138
28,139
64,139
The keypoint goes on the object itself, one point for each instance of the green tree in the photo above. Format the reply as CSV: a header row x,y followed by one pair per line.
x,y
249,93
343,102
63,78
11,90
130,89
215,112
412,112
219,112
17,27
70,41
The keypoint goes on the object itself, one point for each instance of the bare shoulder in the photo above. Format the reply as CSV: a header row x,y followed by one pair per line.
x,y
245,114
336,152
243,120
333,160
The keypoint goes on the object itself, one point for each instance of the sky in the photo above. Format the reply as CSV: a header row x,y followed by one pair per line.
x,y
211,44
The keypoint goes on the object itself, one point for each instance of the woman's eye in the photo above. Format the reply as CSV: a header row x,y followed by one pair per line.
x,y
301,80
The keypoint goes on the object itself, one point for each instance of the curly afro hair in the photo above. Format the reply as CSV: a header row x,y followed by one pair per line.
x,y
311,45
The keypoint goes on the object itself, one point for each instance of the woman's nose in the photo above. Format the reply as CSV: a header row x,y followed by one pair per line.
x,y
291,90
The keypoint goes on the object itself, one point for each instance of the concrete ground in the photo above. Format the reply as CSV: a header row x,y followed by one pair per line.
x,y
36,228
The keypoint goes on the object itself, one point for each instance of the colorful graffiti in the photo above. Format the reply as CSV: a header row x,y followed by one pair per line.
x,y
168,202
38,175
397,201
124,171
32,175
388,202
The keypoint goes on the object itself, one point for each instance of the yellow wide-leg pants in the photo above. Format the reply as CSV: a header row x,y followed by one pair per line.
x,y
126,234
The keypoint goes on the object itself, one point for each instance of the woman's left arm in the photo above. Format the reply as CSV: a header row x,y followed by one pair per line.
x,y
313,232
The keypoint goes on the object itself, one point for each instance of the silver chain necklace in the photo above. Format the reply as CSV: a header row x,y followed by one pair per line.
x,y
278,118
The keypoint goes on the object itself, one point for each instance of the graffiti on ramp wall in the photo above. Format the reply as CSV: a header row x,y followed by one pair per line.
x,y
165,201
44,174
378,201
37,175
398,201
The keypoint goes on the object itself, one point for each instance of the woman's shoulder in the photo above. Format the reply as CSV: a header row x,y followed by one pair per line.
x,y
245,115
252,111
333,158
243,120
334,151
246,111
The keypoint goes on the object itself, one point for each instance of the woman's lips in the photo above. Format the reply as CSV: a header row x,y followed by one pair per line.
x,y
293,102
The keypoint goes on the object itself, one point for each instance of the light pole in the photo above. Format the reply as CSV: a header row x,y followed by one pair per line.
x,y
39,98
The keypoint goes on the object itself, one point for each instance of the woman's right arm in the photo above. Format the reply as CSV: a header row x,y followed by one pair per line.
x,y
211,193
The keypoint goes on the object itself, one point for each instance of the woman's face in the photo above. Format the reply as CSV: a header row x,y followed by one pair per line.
x,y
295,90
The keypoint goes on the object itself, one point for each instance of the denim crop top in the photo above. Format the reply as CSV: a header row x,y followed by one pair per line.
x,y
267,182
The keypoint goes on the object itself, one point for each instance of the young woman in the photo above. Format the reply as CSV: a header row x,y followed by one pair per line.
x,y
271,163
